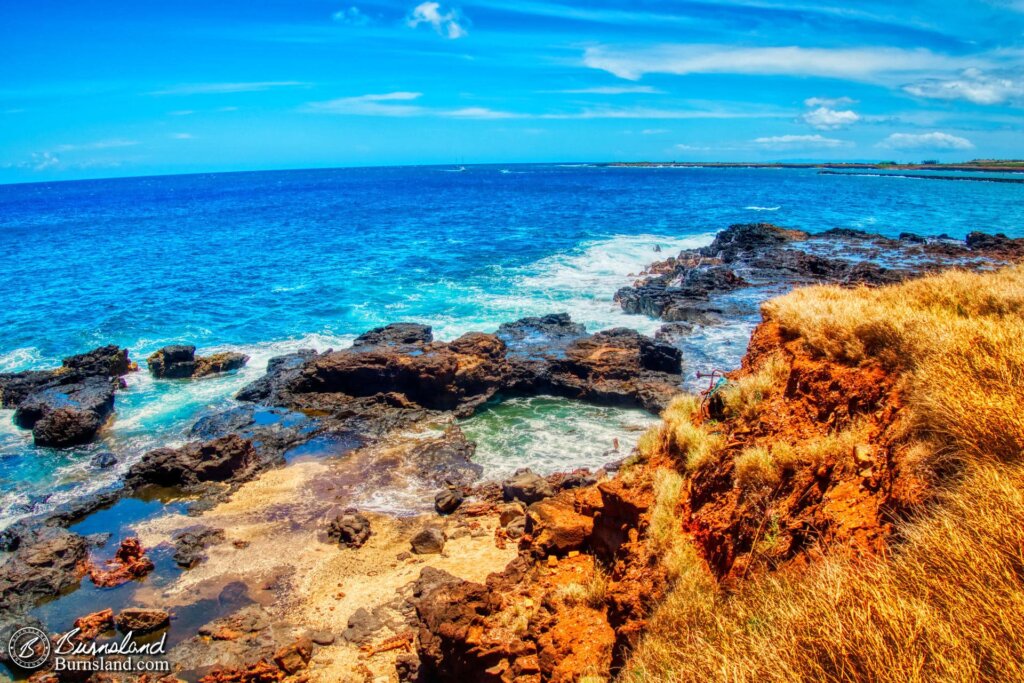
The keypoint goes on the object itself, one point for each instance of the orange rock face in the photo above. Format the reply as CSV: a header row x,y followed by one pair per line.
x,y
130,562
92,625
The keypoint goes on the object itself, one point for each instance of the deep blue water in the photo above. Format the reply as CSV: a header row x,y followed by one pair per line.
x,y
266,262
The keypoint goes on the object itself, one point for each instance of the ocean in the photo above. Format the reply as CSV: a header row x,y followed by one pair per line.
x,y
269,262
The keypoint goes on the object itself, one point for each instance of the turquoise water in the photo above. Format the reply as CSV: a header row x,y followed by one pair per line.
x,y
269,262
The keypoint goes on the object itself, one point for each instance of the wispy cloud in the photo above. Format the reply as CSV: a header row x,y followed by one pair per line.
x,y
849,63
397,104
352,16
181,136
221,88
786,142
973,85
824,118
934,140
448,23
614,90
830,102
654,131
99,144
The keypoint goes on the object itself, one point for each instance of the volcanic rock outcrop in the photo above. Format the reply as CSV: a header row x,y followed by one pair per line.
x,y
180,361
68,405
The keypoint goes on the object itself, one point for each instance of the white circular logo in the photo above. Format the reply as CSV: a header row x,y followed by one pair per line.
x,y
29,647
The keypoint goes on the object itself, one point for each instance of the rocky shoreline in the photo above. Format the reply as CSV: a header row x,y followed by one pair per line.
x,y
378,403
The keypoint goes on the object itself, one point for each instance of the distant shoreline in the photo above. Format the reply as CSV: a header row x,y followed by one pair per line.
x,y
978,167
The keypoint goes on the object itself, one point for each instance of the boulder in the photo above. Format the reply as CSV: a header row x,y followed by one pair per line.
x,y
92,625
282,372
46,563
180,361
526,487
448,501
190,545
349,529
294,657
103,460
129,563
67,414
228,458
140,620
396,335
429,541
556,528
511,512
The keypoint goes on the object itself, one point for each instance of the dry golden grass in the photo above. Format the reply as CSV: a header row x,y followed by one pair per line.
x,y
742,397
590,592
680,435
948,603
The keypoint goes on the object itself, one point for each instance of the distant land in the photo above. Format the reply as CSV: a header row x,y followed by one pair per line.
x,y
978,165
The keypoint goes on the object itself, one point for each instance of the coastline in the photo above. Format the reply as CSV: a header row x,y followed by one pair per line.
x,y
286,502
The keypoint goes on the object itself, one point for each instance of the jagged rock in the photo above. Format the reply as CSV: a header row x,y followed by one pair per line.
x,y
46,564
552,330
510,512
190,544
140,620
395,335
407,667
997,245
104,460
92,625
225,459
556,528
129,563
66,406
448,501
294,657
349,529
362,626
180,361
281,372
429,541
67,414
526,487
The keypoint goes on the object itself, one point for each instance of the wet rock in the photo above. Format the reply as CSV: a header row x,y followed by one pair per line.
x,y
190,545
104,460
396,335
429,541
9,540
575,480
349,529
180,361
92,625
140,620
447,460
294,657
526,487
129,563
66,406
67,414
996,245
46,564
282,371
556,527
228,458
660,357
555,330
448,501
911,238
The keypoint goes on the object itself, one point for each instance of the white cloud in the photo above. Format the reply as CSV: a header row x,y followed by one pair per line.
x,y
351,16
371,105
615,90
99,144
850,63
782,142
386,104
830,102
824,118
450,24
972,85
934,140
44,160
215,88
654,131
181,136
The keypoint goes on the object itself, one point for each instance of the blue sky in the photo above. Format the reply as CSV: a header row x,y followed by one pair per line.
x,y
97,88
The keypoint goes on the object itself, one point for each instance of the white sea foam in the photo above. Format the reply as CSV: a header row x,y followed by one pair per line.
x,y
762,208
21,359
